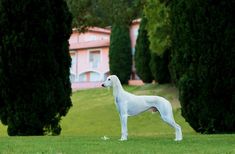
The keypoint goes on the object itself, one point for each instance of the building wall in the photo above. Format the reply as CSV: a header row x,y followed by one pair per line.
x,y
87,37
73,38
83,74
92,36
134,28
84,61
89,53
81,63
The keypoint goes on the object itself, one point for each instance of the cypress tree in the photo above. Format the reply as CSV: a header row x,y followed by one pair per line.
x,y
120,57
159,67
203,62
142,54
159,30
34,65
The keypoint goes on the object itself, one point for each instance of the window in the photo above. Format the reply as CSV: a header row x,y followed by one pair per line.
x,y
83,77
94,76
94,59
89,76
73,64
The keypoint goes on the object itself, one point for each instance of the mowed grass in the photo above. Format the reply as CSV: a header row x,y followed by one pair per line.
x,y
161,144
94,115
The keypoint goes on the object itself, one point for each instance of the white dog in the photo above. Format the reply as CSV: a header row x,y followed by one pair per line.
x,y
129,105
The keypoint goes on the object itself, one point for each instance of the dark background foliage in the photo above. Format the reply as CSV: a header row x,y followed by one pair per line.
x,y
143,53
120,57
203,63
34,65
159,67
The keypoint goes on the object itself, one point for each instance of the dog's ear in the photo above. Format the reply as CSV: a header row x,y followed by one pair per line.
x,y
114,79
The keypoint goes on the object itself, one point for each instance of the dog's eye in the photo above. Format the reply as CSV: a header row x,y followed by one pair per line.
x,y
109,79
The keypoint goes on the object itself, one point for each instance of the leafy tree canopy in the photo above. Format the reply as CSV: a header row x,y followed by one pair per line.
x,y
158,26
104,13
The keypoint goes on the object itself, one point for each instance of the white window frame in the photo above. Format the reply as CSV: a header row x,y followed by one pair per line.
x,y
95,50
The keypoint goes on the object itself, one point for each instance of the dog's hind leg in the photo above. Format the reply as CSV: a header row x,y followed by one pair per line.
x,y
178,132
165,110
170,120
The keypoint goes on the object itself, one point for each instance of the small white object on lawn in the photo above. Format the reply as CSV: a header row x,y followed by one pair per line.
x,y
105,138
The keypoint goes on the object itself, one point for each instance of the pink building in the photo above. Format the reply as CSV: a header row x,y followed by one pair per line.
x,y
89,52
134,28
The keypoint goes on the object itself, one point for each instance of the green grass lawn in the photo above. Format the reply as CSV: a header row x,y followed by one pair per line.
x,y
94,115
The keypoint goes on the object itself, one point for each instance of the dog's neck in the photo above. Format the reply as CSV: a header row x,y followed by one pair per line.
x,y
117,88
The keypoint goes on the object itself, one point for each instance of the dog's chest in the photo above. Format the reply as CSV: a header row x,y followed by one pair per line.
x,y
119,105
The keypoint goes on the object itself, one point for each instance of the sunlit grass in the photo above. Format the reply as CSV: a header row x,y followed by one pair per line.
x,y
160,144
94,115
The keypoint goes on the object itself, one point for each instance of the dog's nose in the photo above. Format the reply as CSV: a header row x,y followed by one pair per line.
x,y
102,85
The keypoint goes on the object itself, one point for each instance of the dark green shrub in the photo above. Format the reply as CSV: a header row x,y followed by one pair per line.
x,y
142,54
159,31
203,63
120,57
34,65
159,67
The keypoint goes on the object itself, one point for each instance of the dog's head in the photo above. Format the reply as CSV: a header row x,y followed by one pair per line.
x,y
110,81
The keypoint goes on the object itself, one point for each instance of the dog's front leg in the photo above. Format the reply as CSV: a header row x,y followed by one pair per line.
x,y
123,119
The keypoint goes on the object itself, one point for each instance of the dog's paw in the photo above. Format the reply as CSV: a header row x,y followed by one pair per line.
x,y
179,139
123,139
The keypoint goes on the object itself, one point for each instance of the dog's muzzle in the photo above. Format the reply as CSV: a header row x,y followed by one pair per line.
x,y
102,85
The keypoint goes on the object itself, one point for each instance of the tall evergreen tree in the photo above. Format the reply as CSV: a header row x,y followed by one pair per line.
x,y
159,31
159,67
142,53
34,65
120,57
203,61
